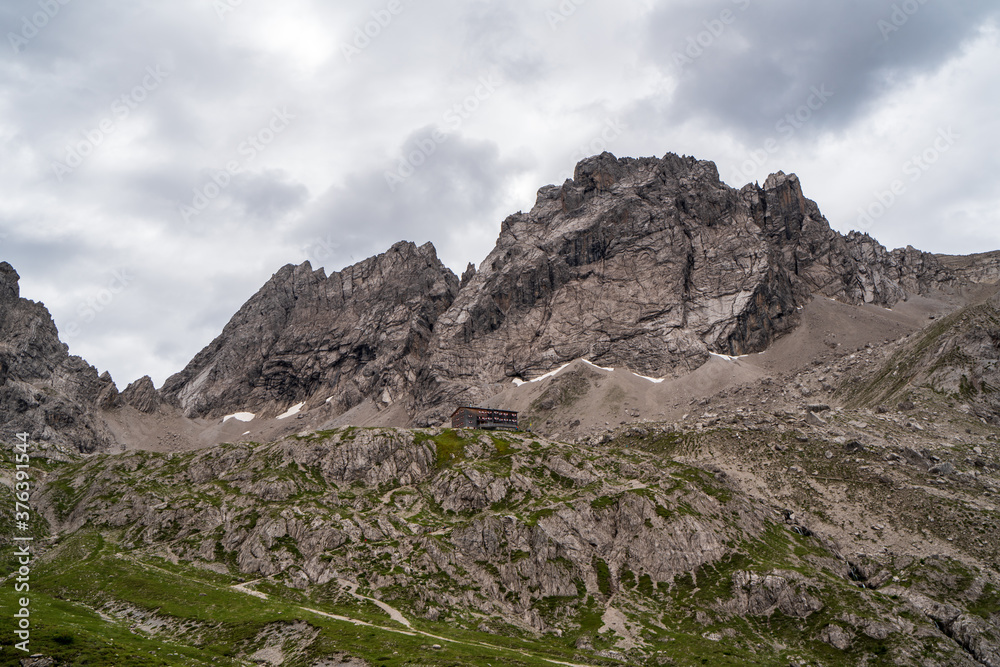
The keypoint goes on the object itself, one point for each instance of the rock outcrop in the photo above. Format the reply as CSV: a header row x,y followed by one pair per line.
x,y
853,268
763,594
360,333
141,395
973,633
979,268
43,390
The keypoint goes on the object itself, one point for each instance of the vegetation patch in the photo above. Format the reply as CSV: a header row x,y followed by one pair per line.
x,y
603,576
604,502
449,446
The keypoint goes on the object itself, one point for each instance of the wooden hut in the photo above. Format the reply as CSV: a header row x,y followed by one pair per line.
x,y
486,418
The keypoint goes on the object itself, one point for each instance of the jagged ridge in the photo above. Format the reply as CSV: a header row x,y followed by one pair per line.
x,y
647,263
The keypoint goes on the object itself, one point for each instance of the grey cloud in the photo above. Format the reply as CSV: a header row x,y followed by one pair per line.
x,y
768,57
101,51
264,197
496,36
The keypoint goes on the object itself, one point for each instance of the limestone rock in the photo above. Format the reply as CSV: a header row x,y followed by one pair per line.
x,y
976,635
762,595
142,395
644,263
470,273
109,398
853,268
872,628
837,637
978,268
814,419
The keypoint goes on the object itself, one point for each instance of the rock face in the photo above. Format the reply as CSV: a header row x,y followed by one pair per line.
x,y
362,332
973,633
979,268
645,263
853,268
762,595
142,395
652,264
43,390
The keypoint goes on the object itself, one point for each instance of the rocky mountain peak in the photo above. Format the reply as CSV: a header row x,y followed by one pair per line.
x,y
779,180
646,263
357,333
141,395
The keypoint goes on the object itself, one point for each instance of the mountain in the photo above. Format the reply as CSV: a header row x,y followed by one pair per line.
x,y
651,264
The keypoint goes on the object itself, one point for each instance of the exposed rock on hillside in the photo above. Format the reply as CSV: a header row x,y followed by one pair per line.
x,y
647,263
508,483
652,264
854,268
979,268
607,548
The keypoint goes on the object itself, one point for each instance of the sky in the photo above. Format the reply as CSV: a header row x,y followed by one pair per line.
x,y
160,161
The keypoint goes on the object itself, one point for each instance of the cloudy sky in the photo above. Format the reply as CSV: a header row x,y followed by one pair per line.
x,y
161,160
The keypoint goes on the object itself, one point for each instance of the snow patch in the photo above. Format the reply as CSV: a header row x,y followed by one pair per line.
x,y
602,368
726,357
240,416
550,374
294,410
518,382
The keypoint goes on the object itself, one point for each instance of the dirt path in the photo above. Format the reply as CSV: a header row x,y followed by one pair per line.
x,y
395,615
242,588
